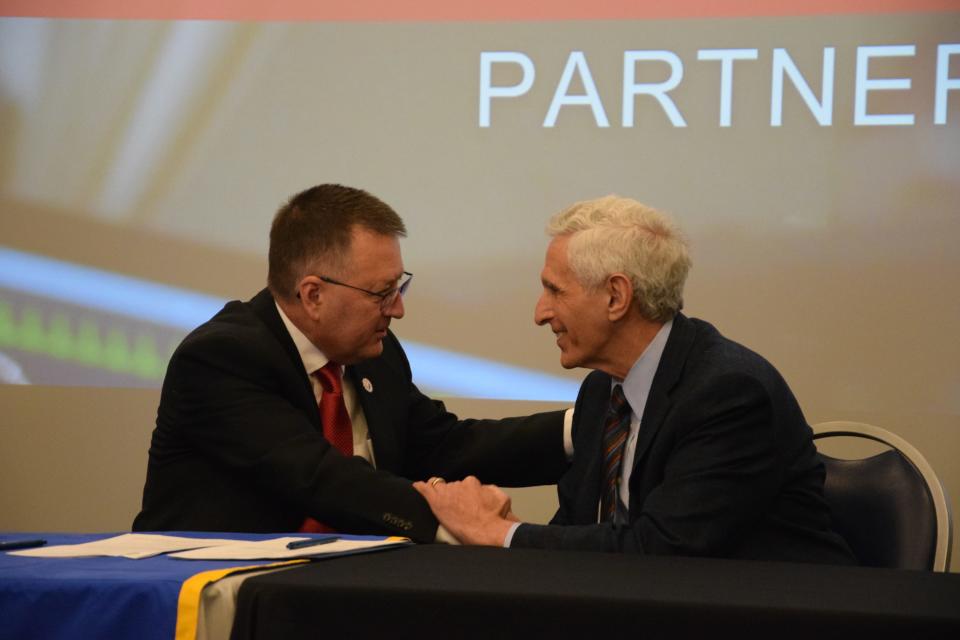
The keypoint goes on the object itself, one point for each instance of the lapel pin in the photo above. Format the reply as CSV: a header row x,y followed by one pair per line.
x,y
367,385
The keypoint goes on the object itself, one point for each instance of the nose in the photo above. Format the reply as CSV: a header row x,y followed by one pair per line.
x,y
542,312
395,309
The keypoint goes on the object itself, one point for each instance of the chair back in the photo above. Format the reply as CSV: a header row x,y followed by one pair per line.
x,y
891,508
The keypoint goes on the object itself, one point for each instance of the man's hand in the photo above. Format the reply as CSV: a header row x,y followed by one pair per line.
x,y
473,512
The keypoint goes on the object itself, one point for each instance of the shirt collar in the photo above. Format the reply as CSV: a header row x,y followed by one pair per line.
x,y
311,356
636,386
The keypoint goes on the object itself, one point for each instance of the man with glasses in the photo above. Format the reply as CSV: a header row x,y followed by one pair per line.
x,y
296,411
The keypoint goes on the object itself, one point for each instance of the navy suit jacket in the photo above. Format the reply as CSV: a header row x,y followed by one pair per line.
x,y
238,443
724,463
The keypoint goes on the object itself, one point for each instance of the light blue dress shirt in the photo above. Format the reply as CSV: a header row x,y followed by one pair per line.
x,y
636,388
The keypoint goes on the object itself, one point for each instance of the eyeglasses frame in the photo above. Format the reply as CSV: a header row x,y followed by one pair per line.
x,y
387,296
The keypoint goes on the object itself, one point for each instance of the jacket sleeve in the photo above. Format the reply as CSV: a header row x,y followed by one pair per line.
x,y
513,452
721,472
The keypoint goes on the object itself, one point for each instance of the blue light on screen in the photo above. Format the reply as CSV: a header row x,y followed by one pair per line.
x,y
440,371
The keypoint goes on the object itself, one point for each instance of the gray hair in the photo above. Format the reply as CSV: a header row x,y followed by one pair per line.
x,y
619,235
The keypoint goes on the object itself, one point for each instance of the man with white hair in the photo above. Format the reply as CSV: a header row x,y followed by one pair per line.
x,y
685,443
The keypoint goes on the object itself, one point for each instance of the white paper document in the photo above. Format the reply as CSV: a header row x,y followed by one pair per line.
x,y
128,545
276,549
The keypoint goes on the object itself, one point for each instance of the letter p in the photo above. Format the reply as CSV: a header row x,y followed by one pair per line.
x,y
488,92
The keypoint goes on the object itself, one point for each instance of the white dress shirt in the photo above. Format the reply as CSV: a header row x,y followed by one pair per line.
x,y
314,359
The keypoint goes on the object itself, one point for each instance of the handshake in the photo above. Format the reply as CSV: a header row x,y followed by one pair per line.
x,y
474,513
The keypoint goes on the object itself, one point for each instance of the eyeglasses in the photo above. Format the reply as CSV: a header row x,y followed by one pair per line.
x,y
388,297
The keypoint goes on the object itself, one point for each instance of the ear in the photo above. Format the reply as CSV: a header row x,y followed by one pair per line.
x,y
619,296
310,294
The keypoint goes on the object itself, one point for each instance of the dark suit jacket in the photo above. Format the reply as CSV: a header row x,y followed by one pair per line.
x,y
724,463
238,444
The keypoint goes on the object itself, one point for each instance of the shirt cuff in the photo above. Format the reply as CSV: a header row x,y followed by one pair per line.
x,y
444,536
509,538
568,433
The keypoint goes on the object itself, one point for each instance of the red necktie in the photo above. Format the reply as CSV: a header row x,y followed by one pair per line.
x,y
337,428
333,411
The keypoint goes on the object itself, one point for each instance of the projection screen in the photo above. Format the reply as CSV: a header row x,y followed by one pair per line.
x,y
810,151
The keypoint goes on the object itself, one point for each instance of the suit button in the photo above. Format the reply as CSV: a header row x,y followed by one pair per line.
x,y
397,521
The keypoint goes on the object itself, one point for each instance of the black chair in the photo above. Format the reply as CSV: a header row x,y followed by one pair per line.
x,y
890,507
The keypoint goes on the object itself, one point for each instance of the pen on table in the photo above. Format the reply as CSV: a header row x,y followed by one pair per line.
x,y
300,544
10,545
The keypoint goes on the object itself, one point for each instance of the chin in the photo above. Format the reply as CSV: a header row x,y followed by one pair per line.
x,y
368,352
568,362
373,351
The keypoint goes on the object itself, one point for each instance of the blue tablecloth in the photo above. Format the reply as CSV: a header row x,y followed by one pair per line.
x,y
115,598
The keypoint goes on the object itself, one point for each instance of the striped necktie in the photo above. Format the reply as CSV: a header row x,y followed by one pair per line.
x,y
615,431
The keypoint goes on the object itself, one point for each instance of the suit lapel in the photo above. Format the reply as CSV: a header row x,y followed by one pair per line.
x,y
265,308
668,373
373,391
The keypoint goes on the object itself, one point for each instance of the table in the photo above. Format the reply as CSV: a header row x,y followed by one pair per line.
x,y
116,598
455,592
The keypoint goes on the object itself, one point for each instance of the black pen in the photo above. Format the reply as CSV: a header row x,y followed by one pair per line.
x,y
10,545
300,544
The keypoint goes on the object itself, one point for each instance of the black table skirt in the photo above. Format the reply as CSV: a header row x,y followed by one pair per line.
x,y
437,591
